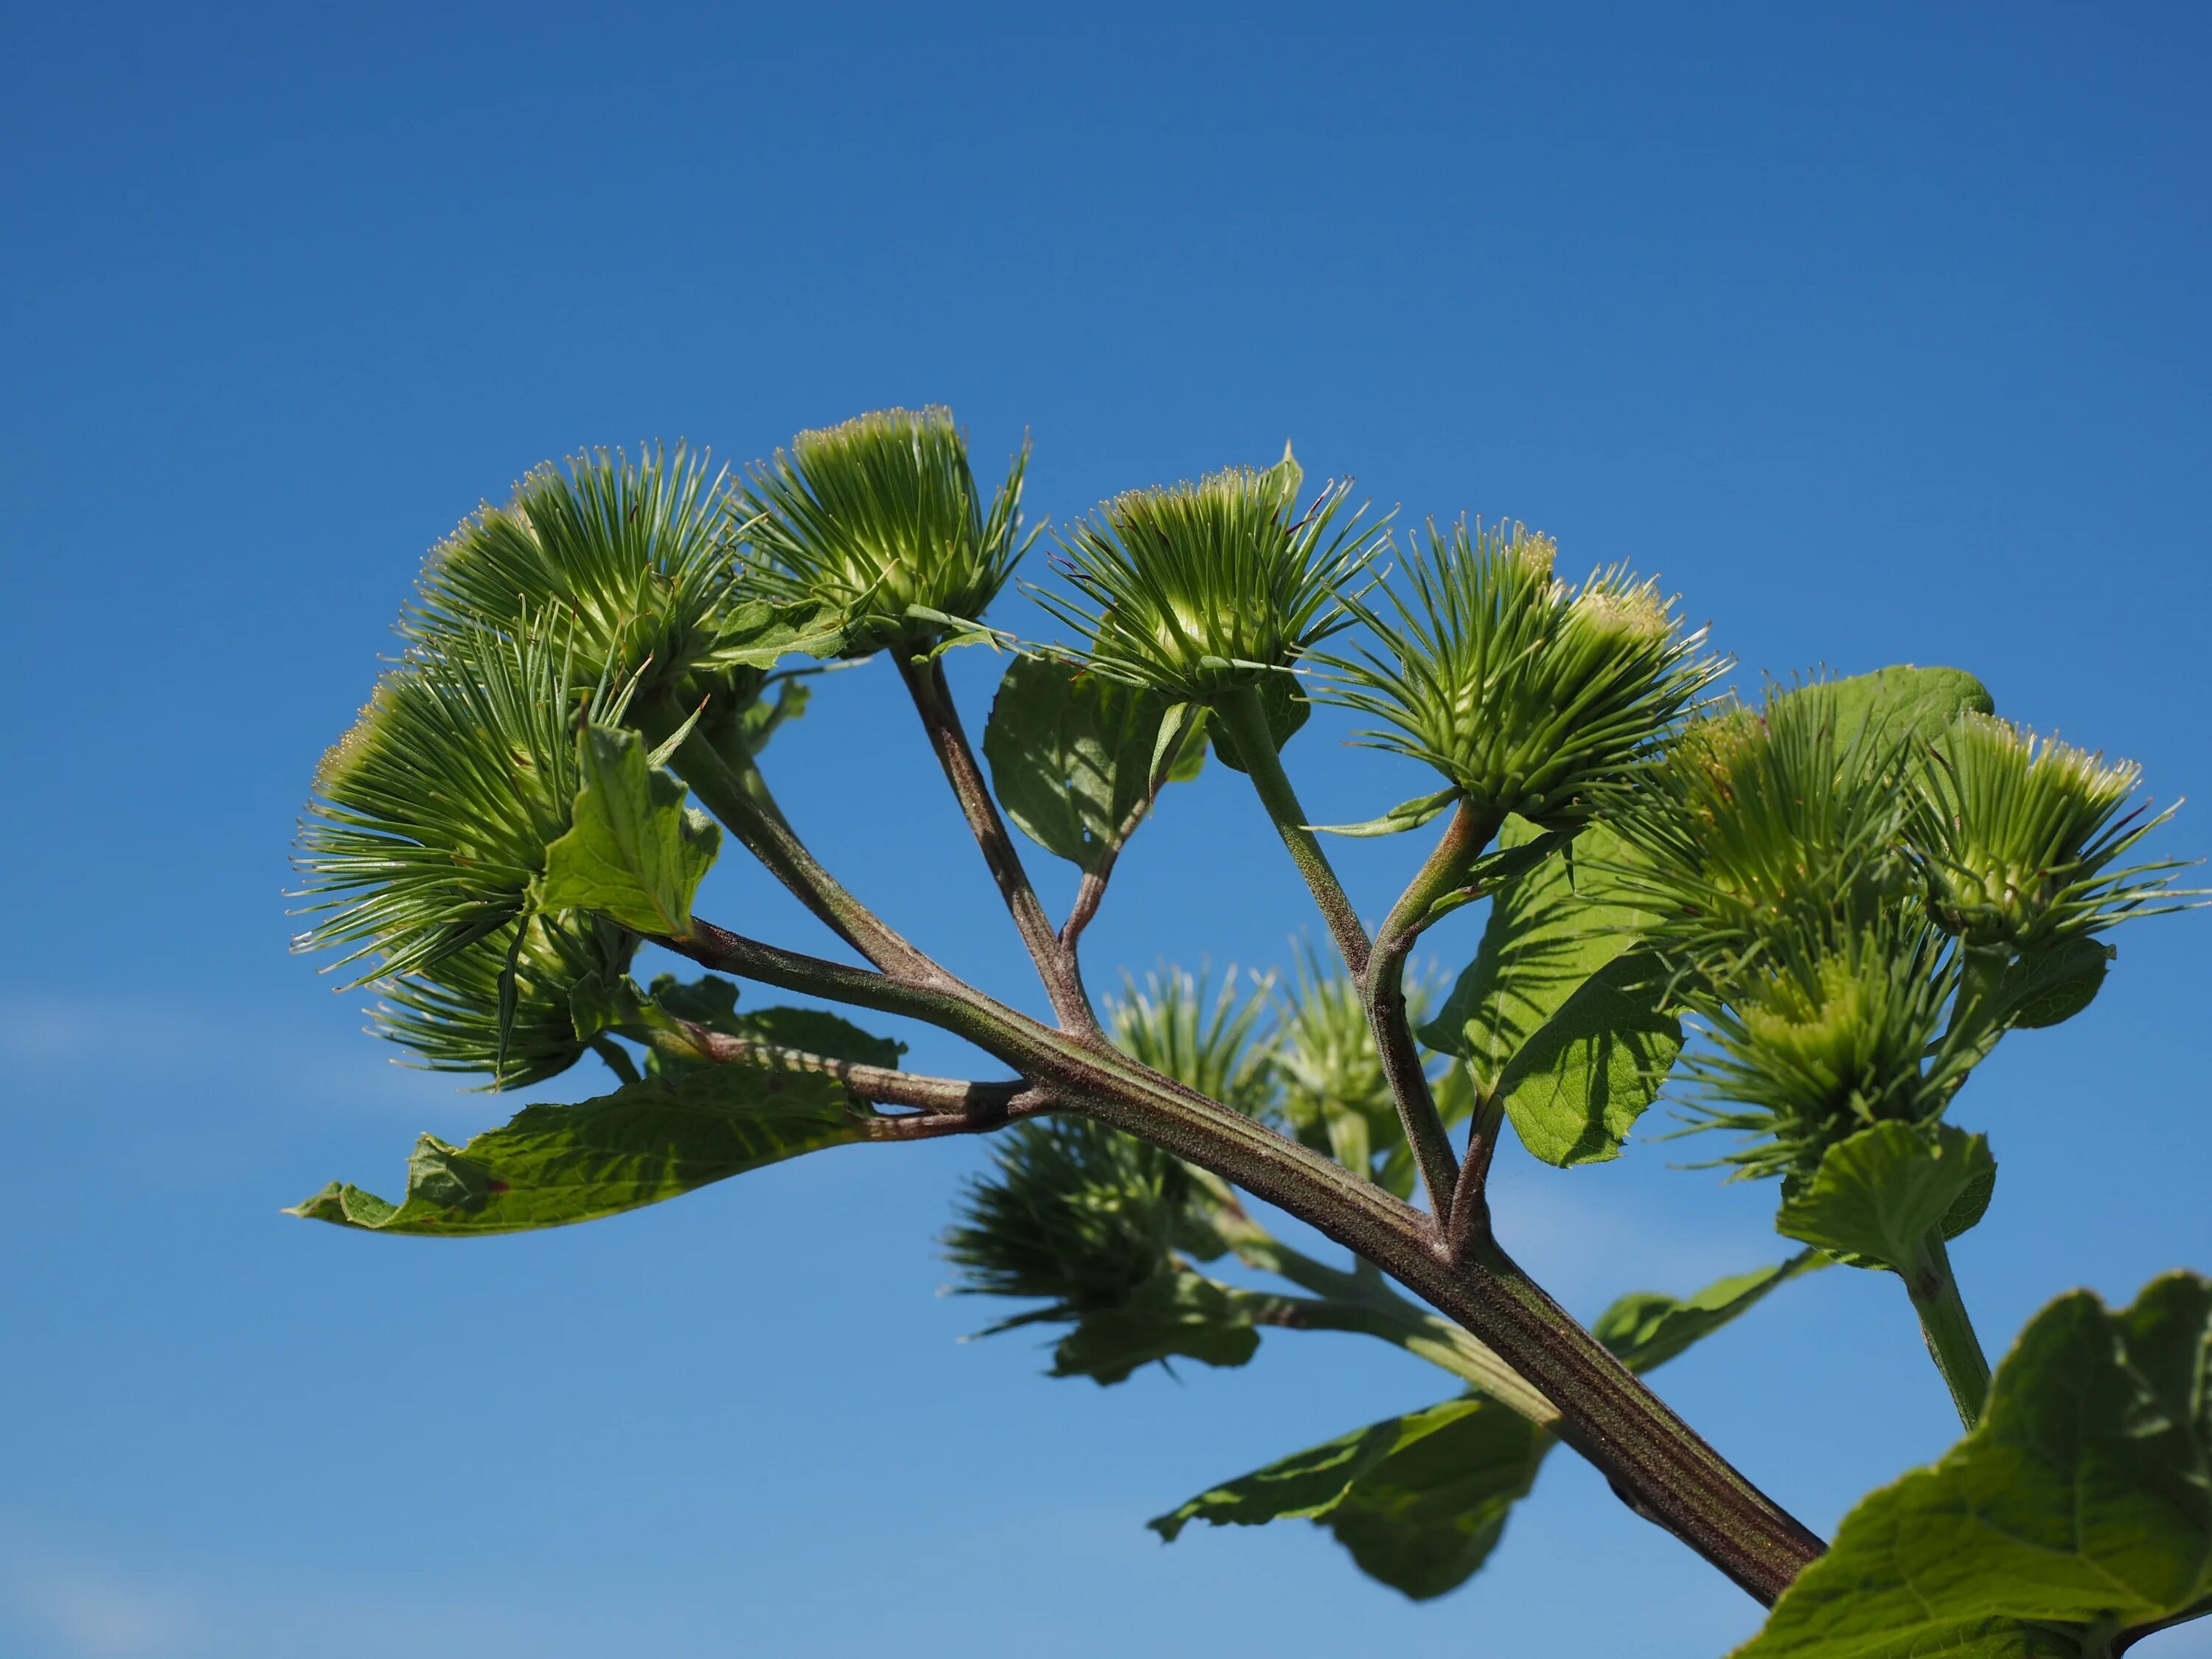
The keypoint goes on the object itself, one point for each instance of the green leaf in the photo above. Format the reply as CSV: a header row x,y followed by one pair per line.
x,y
1892,703
1576,1088
2049,986
1072,757
1406,815
1877,1195
1420,1500
1284,699
648,1141
1176,1315
635,853
1647,1328
712,1001
2084,1497
757,633
1554,1015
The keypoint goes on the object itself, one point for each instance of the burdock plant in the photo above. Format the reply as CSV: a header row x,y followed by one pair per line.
x,y
1809,917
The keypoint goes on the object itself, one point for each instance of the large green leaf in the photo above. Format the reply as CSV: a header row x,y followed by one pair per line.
x,y
2084,1498
1072,757
1647,1328
1554,1015
1179,1313
1420,1500
635,853
648,1141
1877,1195
1891,704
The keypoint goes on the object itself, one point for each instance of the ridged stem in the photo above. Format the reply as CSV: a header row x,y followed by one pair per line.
x,y
1952,1343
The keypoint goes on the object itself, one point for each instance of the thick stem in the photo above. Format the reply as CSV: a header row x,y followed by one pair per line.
x,y
1383,989
735,793
1246,718
1056,966
1653,1457
1952,1343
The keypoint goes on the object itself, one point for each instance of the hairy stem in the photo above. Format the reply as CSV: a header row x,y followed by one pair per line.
x,y
1246,718
1056,965
1655,1459
735,793
1383,990
1952,1343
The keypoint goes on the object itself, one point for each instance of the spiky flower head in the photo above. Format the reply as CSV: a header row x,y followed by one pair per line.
x,y
1530,696
2021,835
1830,1034
430,821
1767,824
881,519
1197,589
1214,1041
1071,1212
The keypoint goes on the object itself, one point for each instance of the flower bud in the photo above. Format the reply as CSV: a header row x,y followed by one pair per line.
x,y
1530,696
1200,589
880,518
2019,834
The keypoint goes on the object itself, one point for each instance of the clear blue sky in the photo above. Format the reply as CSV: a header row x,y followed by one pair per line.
x,y
1882,333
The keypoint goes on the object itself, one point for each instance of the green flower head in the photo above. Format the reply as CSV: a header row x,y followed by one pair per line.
x,y
429,823
1196,590
1531,697
1828,1036
1766,824
1071,1212
2021,835
1213,1041
880,519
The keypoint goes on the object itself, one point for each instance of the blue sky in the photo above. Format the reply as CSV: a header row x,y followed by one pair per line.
x,y
1880,333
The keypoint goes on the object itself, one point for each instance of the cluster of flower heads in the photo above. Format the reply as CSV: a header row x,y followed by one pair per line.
x,y
1857,893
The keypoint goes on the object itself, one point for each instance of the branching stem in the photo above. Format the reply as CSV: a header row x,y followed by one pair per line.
x,y
1383,990
1650,1454
1055,963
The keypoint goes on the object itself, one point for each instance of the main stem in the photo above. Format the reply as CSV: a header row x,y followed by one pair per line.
x,y
1657,1462
1952,1343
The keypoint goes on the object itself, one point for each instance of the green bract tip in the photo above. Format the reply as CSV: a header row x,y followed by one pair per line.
x,y
1196,590
880,519
1529,696
2020,836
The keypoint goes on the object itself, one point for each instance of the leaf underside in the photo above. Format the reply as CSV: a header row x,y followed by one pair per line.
x,y
555,1165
